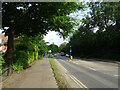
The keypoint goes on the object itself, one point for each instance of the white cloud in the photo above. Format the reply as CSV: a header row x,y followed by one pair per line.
x,y
52,37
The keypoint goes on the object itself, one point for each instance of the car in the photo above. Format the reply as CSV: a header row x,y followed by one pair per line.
x,y
67,55
62,54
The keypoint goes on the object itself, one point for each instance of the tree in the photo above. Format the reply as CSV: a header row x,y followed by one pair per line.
x,y
53,48
104,14
82,42
62,47
38,40
34,18
104,43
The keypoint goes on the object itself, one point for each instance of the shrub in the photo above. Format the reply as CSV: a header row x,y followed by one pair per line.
x,y
17,67
26,51
36,55
24,54
1,63
30,57
20,60
25,46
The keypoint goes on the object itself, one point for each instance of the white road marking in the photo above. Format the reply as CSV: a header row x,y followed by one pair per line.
x,y
112,75
106,73
116,75
76,63
92,68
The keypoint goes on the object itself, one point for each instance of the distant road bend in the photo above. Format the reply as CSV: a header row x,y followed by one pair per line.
x,y
92,74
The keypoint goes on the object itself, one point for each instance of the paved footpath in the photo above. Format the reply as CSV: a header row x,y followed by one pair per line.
x,y
40,75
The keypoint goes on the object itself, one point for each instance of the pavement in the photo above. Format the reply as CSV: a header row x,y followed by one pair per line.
x,y
39,75
91,74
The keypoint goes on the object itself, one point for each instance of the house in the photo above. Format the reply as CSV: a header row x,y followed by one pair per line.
x,y
3,43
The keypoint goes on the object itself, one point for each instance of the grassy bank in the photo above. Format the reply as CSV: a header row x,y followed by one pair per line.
x,y
58,76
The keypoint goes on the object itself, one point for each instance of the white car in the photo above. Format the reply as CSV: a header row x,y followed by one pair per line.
x,y
67,55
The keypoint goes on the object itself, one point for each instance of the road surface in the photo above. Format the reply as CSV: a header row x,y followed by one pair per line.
x,y
92,74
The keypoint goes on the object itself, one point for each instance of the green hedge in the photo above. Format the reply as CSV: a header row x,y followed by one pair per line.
x,y
1,63
25,53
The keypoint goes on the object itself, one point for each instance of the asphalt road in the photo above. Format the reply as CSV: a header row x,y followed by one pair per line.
x,y
93,74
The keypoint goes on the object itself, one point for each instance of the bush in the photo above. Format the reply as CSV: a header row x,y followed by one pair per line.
x,y
20,60
30,57
27,50
25,53
25,46
36,55
1,63
17,67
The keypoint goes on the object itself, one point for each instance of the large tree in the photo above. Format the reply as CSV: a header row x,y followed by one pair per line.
x,y
35,18
103,43
103,15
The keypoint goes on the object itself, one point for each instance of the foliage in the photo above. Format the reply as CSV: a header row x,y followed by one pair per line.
x,y
1,64
65,47
27,50
103,43
25,45
40,43
36,55
20,60
62,46
53,48
17,67
33,18
1,60
24,54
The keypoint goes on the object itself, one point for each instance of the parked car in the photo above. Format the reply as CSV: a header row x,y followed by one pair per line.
x,y
62,54
67,55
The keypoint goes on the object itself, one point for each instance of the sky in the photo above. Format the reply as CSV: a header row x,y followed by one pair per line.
x,y
52,36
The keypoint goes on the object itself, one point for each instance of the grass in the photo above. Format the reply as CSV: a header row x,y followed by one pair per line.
x,y
62,83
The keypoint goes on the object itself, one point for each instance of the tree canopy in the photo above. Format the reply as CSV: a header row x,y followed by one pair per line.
x,y
103,42
37,18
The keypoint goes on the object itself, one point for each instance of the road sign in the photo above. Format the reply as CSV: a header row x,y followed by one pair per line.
x,y
70,50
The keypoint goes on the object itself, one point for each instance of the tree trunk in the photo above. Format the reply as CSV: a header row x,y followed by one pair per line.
x,y
117,24
10,50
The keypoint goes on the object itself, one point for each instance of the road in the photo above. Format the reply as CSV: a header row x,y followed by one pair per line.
x,y
92,74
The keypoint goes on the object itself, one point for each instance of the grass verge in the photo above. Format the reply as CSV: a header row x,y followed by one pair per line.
x,y
62,83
